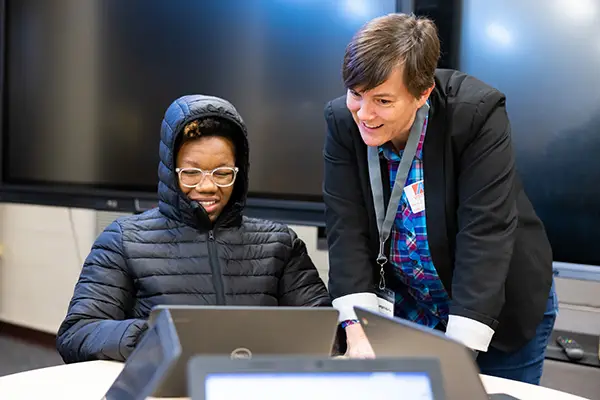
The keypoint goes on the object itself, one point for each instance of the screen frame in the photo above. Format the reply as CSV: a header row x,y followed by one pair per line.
x,y
3,95
289,209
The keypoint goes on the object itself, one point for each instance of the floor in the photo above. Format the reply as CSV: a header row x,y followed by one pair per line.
x,y
17,356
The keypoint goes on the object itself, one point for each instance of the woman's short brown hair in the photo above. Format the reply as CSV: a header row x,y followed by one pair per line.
x,y
390,41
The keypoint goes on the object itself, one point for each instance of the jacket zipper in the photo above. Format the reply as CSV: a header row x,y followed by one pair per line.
x,y
215,267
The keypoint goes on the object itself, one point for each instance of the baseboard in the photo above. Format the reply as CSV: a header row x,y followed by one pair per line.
x,y
29,335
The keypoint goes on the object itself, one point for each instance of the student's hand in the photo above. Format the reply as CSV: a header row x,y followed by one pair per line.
x,y
358,344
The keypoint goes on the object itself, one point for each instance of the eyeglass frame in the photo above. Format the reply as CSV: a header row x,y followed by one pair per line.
x,y
205,174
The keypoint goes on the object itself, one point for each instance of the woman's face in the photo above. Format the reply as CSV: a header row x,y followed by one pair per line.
x,y
207,154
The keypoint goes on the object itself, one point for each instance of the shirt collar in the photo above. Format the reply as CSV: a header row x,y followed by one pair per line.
x,y
390,154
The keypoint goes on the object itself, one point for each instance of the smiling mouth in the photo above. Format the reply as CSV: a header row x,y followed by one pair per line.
x,y
371,127
207,203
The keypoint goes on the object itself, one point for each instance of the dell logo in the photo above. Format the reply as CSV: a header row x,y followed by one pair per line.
x,y
241,353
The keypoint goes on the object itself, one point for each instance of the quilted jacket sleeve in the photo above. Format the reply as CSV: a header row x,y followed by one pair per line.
x,y
301,284
96,326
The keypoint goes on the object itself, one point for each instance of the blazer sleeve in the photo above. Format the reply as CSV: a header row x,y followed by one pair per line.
x,y
350,266
487,221
96,326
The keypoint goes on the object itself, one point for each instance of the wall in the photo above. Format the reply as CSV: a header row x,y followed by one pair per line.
x,y
40,262
41,249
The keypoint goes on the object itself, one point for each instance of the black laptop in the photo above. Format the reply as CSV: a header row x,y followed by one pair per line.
x,y
241,332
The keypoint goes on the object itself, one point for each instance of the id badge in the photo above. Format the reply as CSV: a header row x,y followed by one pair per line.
x,y
415,194
386,300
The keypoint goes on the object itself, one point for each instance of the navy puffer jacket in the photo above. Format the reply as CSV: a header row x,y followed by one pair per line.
x,y
174,255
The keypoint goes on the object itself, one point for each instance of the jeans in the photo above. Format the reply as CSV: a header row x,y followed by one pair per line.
x,y
527,363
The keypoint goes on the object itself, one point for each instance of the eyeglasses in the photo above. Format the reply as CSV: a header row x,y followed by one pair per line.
x,y
192,177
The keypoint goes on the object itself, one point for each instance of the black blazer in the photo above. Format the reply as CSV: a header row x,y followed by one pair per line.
x,y
488,245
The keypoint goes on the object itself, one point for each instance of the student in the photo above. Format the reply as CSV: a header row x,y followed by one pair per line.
x,y
460,248
196,248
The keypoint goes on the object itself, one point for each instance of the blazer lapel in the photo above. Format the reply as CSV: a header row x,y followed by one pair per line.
x,y
436,201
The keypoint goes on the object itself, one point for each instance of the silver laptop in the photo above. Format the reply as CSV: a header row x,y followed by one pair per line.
x,y
395,337
314,378
145,369
243,332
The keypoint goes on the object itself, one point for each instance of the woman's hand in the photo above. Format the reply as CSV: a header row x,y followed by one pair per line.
x,y
358,344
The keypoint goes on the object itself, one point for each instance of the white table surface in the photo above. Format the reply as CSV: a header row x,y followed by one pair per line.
x,y
90,380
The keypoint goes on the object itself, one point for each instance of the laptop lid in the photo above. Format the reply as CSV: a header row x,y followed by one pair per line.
x,y
149,363
395,337
312,378
244,332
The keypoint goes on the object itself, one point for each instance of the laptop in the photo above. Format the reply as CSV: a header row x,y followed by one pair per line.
x,y
239,332
152,359
395,337
314,378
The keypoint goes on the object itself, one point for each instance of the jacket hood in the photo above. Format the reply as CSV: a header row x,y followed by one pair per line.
x,y
171,200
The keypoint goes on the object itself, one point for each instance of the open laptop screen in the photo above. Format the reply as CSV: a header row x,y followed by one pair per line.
x,y
140,370
146,366
318,385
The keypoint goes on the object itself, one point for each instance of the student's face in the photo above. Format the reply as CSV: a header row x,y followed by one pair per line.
x,y
207,153
386,112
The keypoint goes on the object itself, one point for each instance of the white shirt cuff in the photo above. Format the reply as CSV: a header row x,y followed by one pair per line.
x,y
473,334
345,304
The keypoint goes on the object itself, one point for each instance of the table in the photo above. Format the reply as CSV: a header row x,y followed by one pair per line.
x,y
90,380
